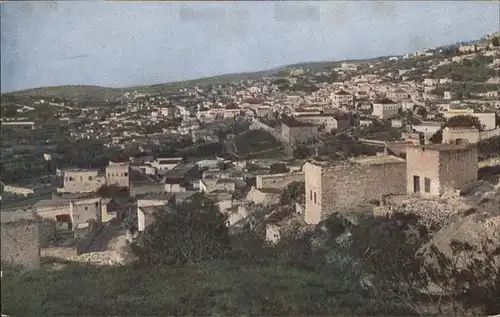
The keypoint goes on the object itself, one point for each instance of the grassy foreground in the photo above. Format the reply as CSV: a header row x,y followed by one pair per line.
x,y
216,288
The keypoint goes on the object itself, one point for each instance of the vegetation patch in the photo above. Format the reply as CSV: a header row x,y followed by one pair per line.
x,y
254,141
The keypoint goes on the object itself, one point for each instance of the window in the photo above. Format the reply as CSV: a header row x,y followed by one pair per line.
x,y
427,185
86,208
96,204
81,178
315,198
71,179
90,178
125,174
310,195
416,184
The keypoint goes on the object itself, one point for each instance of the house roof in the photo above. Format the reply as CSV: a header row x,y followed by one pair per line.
x,y
377,159
47,203
342,93
445,147
292,122
385,101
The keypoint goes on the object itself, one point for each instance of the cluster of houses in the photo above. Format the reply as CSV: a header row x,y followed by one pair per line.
x,y
74,203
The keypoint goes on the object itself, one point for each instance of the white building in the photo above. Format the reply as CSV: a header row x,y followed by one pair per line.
x,y
386,109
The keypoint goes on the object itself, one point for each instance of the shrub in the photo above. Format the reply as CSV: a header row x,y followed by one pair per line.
x,y
191,232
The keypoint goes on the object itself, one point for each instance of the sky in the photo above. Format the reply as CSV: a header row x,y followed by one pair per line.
x,y
122,44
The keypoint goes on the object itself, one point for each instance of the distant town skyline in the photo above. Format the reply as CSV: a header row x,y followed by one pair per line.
x,y
122,44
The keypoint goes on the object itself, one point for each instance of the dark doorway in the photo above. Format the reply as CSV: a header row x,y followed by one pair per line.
x,y
416,184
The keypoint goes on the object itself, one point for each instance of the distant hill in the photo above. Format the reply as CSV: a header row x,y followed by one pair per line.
x,y
97,93
213,80
79,92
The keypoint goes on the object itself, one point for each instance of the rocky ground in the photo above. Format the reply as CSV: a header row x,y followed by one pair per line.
x,y
472,217
110,248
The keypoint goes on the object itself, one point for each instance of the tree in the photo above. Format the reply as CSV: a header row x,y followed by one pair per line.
x,y
464,121
301,152
421,111
191,232
295,191
495,41
278,168
437,137
8,110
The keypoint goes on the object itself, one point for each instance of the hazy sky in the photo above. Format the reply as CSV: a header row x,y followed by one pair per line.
x,y
121,44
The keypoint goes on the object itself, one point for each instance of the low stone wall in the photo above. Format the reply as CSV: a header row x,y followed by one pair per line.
x,y
139,189
279,181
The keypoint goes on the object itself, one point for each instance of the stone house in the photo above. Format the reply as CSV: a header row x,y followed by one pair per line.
x,y
118,174
337,187
84,210
146,216
20,239
328,122
263,196
51,208
396,123
81,180
385,109
341,98
428,129
210,184
456,135
146,208
488,120
294,131
166,164
28,189
433,170
398,94
149,205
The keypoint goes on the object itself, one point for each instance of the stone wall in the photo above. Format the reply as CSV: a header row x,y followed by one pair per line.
x,y
84,210
423,164
21,243
83,244
278,181
260,196
338,188
457,169
140,189
82,181
47,229
433,171
258,125
471,135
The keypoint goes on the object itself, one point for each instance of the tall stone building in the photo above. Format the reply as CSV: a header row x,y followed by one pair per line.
x,y
334,188
435,169
20,232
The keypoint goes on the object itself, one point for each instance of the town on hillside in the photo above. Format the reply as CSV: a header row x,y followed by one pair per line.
x,y
281,156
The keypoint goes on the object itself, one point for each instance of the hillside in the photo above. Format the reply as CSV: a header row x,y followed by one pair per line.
x,y
79,92
222,289
97,93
